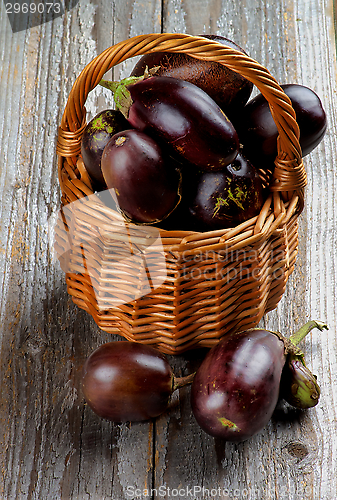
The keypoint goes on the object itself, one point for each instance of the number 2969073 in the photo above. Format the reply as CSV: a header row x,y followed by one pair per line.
x,y
33,7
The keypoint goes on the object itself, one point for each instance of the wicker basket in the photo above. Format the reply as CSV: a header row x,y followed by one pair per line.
x,y
200,285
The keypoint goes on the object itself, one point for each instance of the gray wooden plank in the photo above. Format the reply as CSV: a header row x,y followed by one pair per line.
x,y
286,459
133,18
53,446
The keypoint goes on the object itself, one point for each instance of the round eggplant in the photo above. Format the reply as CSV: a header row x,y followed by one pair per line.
x,y
226,87
218,200
181,116
146,187
237,386
95,137
125,381
258,132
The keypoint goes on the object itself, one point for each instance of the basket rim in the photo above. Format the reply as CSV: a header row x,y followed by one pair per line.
x,y
289,177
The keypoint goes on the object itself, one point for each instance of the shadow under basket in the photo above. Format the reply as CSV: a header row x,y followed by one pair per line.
x,y
176,290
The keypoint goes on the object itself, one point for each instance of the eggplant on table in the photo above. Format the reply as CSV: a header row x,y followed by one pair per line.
x,y
127,381
234,391
237,386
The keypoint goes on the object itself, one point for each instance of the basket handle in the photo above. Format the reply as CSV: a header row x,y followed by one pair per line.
x,y
289,175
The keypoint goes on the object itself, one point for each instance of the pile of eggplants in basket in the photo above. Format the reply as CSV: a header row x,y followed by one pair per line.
x,y
183,147
186,143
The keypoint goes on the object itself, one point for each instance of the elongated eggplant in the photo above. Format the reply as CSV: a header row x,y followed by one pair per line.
x,y
226,87
237,386
180,115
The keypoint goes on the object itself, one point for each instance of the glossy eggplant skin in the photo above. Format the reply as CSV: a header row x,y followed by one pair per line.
x,y
125,381
218,200
146,185
236,388
258,132
182,116
95,137
226,87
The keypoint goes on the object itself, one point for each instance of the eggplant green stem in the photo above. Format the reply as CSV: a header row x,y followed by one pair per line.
x,y
113,86
182,381
297,337
122,96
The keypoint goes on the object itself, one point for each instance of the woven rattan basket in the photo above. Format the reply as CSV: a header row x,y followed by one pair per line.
x,y
200,285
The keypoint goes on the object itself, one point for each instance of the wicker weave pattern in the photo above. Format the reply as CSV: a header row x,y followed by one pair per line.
x,y
201,285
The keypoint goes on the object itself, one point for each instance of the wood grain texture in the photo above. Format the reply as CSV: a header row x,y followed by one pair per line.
x,y
52,446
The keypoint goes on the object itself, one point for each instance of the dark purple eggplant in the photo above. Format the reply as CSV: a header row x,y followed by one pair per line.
x,y
179,219
237,386
218,200
258,132
145,185
181,116
226,87
95,137
126,381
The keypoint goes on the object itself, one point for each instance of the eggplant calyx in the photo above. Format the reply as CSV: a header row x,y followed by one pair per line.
x,y
300,387
290,343
302,390
122,96
179,382
308,390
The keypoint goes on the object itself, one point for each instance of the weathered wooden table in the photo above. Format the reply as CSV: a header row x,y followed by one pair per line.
x,y
52,445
